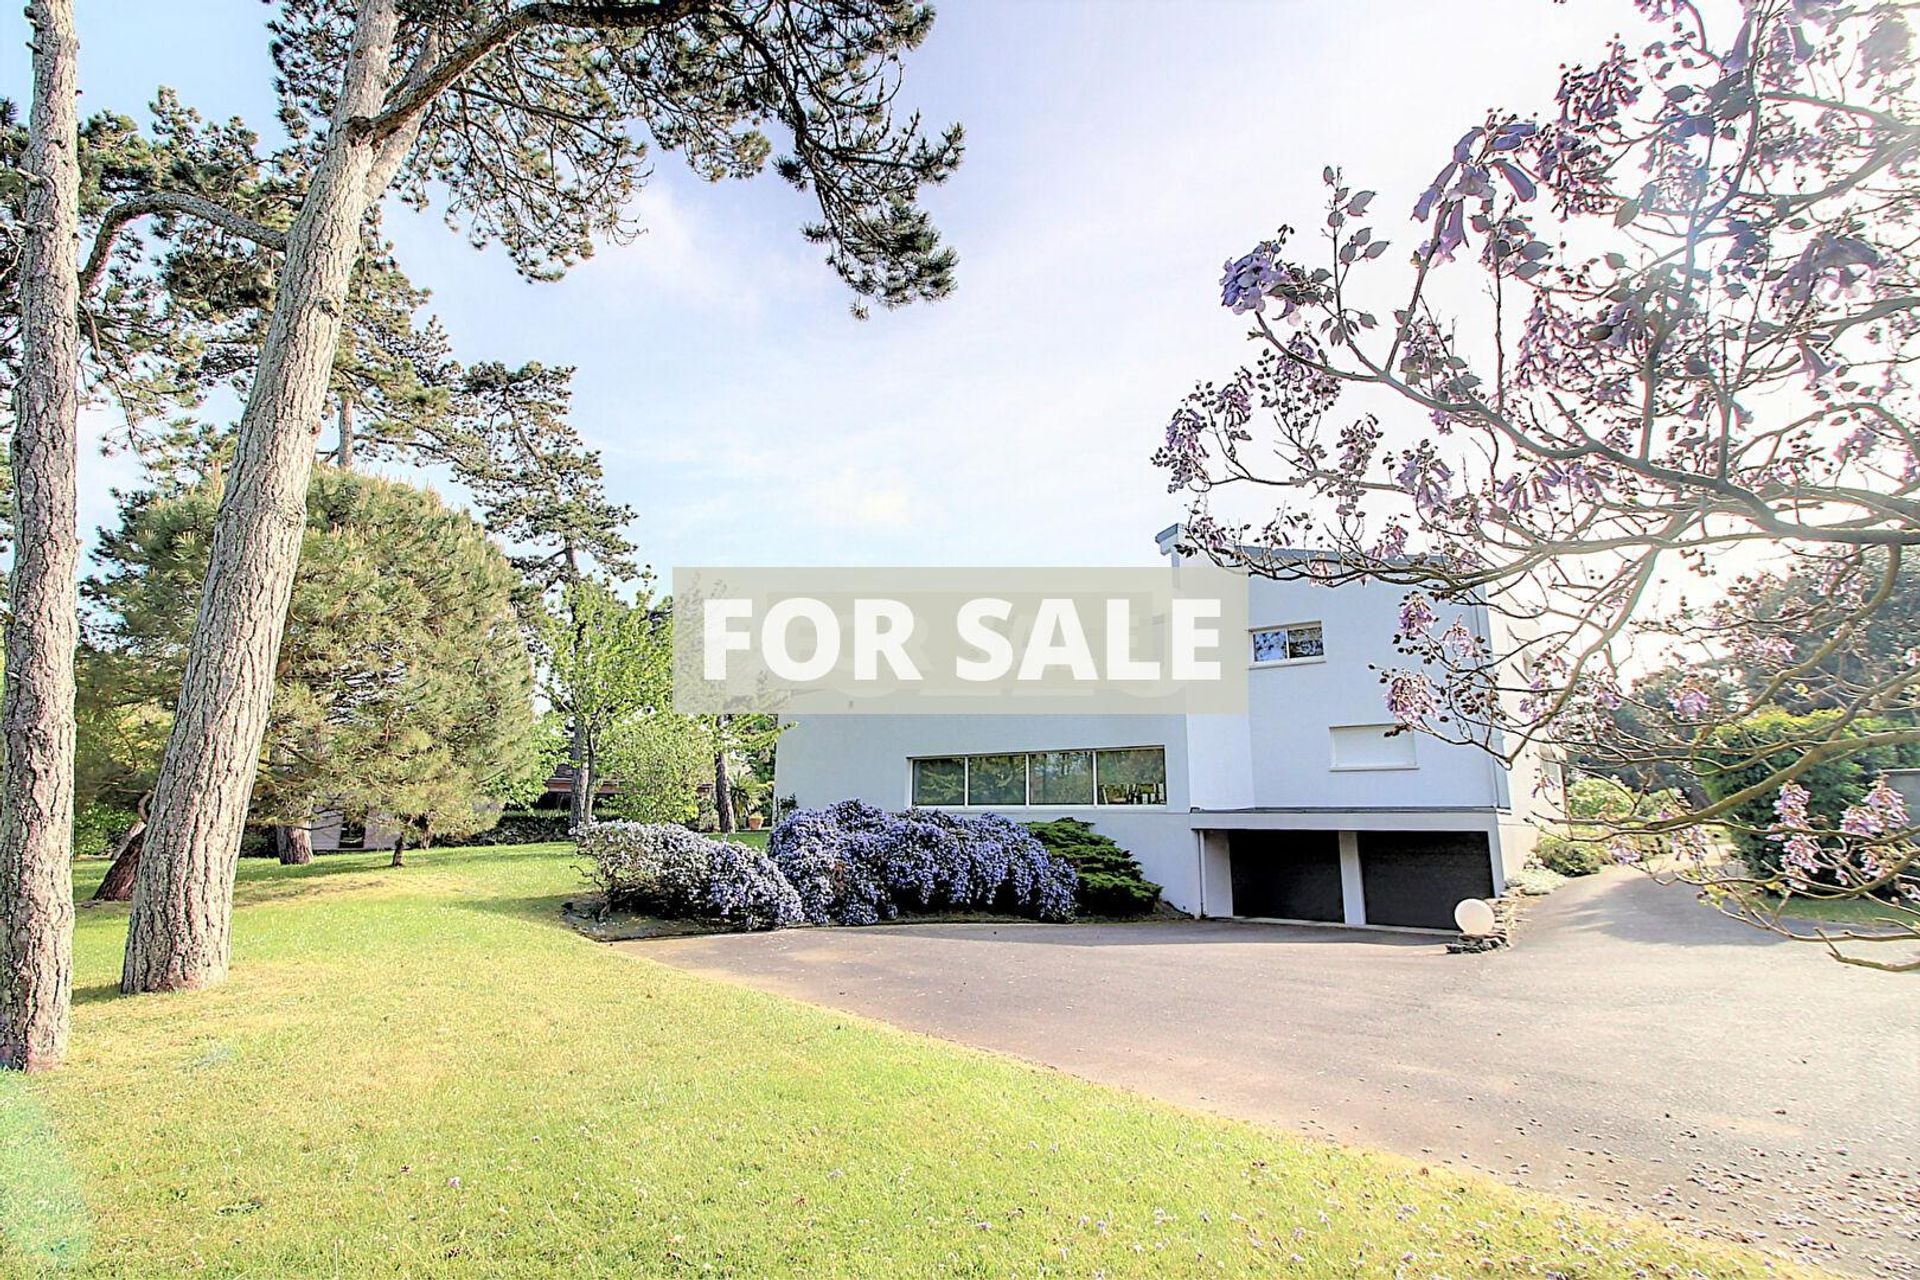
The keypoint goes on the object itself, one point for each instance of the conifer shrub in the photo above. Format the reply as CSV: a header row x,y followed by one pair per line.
x,y
1111,882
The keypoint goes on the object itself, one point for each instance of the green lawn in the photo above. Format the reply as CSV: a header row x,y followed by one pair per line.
x,y
1853,911
418,1072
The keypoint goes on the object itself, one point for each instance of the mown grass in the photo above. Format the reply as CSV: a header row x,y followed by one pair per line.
x,y
418,1072
1853,911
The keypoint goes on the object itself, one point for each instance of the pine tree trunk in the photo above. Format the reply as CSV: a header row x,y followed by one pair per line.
x,y
580,798
179,933
294,844
722,792
117,885
36,709
343,457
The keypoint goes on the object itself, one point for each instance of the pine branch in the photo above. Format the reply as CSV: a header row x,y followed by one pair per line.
x,y
175,202
417,96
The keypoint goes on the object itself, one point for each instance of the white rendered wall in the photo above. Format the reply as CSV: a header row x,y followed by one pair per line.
x,y
1293,708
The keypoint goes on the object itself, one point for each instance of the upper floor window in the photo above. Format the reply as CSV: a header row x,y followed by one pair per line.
x,y
1372,746
1119,776
1296,642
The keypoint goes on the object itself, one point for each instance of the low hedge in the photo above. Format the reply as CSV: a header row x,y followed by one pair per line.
x,y
849,863
1569,857
520,826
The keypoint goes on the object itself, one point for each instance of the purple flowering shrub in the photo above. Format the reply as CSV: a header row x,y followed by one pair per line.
x,y
746,888
652,865
848,863
854,864
669,870
832,860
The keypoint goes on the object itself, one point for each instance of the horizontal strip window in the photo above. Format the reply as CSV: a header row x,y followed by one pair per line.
x,y
1121,776
1295,642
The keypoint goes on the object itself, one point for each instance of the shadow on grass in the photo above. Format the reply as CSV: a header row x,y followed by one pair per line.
x,y
96,993
543,909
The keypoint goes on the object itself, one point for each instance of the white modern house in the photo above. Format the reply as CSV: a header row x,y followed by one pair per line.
x,y
1305,808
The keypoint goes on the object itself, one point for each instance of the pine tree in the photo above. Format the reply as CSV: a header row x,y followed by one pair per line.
x,y
36,708
403,687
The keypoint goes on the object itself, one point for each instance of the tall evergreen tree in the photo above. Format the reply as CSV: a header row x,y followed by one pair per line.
x,y
403,688
522,117
540,488
36,708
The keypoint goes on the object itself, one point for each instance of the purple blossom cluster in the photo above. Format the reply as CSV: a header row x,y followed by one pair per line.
x,y
1881,812
1249,282
852,863
1690,703
1411,697
1870,831
660,867
746,888
1416,615
835,861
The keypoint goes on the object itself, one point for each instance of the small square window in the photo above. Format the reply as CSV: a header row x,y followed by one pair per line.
x,y
1288,644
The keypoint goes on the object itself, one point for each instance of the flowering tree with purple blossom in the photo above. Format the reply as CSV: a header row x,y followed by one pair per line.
x,y
1660,344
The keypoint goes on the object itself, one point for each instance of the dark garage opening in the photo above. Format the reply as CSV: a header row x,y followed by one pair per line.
x,y
1286,875
1416,878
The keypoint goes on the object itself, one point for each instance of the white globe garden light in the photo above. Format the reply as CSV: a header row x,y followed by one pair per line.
x,y
1474,917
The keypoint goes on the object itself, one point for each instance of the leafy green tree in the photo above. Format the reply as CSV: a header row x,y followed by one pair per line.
x,y
657,760
606,662
403,688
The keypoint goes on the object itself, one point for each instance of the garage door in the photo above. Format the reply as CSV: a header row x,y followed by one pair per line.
x,y
1286,875
1416,878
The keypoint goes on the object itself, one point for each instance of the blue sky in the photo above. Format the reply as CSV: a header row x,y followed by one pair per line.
x,y
1117,154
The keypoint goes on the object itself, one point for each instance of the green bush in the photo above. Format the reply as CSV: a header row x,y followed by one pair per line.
x,y
97,826
1111,882
1738,756
1596,809
1568,857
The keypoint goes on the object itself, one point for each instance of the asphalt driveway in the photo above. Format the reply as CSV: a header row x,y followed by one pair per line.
x,y
1635,1050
